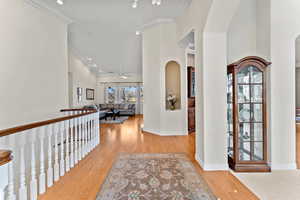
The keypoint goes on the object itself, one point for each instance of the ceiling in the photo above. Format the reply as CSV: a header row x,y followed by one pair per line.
x,y
105,30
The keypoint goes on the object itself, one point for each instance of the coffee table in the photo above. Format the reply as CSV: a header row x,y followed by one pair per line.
x,y
112,114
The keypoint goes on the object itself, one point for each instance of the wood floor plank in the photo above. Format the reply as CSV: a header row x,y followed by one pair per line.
x,y
83,182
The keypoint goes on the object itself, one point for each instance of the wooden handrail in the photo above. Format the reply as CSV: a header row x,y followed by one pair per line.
x,y
77,109
5,157
17,129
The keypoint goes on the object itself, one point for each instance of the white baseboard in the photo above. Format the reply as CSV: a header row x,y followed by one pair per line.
x,y
211,167
200,162
289,166
164,133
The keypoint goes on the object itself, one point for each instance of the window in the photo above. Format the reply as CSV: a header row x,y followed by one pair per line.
x,y
111,95
122,94
128,95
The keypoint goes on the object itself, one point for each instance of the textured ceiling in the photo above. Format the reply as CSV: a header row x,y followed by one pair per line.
x,y
105,29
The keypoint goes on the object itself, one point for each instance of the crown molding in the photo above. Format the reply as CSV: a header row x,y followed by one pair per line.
x,y
44,7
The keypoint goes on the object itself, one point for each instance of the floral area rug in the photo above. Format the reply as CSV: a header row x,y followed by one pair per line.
x,y
154,177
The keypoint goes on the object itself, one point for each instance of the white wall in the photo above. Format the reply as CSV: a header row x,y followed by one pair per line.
x,y
285,28
159,47
33,60
81,77
298,87
241,35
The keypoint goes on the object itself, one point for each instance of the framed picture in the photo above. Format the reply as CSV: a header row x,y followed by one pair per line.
x,y
90,94
79,94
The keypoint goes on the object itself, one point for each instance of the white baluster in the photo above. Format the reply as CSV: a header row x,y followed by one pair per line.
x,y
23,187
11,193
97,129
76,131
42,177
56,164
96,117
50,130
33,180
80,128
67,125
62,157
84,136
92,131
72,143
88,138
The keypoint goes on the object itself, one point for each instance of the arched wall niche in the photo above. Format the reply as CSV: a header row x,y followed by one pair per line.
x,y
173,85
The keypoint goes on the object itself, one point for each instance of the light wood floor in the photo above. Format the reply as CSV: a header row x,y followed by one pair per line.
x,y
84,181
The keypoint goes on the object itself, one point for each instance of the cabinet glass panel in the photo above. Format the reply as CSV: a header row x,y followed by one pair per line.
x,y
244,75
256,75
229,88
229,114
258,151
244,151
244,112
244,94
257,112
245,129
258,132
230,145
256,93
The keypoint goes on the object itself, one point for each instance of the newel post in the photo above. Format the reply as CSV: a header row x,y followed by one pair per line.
x,y
5,161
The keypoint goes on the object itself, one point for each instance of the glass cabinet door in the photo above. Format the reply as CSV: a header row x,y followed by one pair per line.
x,y
250,114
230,114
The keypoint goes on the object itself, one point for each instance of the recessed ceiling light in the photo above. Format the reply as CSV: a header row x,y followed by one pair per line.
x,y
60,2
138,33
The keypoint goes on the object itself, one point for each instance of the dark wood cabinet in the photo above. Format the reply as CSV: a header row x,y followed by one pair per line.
x,y
191,99
191,115
191,82
246,115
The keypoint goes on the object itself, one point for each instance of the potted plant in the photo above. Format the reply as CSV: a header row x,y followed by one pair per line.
x,y
172,99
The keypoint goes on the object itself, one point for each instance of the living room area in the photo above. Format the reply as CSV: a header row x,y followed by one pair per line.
x,y
116,98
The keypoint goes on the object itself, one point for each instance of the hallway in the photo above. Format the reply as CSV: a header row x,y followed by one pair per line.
x,y
84,181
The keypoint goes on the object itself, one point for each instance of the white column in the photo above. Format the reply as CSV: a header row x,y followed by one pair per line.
x,y
50,129
67,128
42,177
33,179
22,176
62,157
56,164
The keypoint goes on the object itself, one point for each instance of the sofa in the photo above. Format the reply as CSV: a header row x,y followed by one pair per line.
x,y
102,114
125,109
